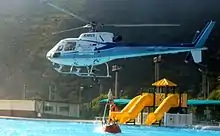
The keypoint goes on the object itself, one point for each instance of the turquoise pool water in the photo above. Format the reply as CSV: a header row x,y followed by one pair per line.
x,y
10,127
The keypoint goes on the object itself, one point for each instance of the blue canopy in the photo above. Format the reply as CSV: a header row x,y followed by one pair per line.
x,y
203,102
189,102
117,101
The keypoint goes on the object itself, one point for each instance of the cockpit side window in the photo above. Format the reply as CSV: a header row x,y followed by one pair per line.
x,y
69,46
60,48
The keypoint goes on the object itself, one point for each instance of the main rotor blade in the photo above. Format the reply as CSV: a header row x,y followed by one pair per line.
x,y
67,12
68,30
139,25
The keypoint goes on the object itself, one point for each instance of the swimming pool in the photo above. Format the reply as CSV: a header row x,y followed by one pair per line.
x,y
11,127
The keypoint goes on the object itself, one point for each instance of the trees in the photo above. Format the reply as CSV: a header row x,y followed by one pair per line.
x,y
215,95
96,106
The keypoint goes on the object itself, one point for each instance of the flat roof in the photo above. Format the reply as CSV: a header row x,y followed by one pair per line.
x,y
189,102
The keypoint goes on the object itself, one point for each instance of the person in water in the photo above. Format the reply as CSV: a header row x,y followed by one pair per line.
x,y
112,106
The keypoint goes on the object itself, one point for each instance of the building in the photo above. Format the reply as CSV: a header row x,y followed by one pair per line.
x,y
37,108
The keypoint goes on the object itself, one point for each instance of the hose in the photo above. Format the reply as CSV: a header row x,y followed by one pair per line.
x,y
103,118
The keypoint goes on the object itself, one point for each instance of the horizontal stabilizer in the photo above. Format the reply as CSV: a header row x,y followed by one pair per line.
x,y
197,56
199,42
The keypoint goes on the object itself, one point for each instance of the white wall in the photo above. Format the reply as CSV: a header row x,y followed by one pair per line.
x,y
74,110
177,119
24,105
54,108
63,109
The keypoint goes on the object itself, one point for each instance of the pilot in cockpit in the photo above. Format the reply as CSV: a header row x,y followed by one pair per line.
x,y
68,46
61,47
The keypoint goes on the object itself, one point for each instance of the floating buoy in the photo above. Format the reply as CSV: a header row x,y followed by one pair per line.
x,y
112,128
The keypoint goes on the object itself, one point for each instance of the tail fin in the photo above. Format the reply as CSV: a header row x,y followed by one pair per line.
x,y
199,42
203,35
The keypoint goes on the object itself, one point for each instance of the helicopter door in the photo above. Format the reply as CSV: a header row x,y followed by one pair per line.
x,y
86,48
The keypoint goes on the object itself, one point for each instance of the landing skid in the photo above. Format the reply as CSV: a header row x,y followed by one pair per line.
x,y
78,71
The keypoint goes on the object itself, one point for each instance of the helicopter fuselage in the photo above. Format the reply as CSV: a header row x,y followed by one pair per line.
x,y
96,48
81,51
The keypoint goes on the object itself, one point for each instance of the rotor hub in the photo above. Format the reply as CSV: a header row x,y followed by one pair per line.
x,y
93,26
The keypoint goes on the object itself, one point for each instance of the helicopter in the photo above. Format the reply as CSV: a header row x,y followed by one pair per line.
x,y
95,47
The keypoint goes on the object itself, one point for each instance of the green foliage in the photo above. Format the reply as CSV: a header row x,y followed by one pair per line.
x,y
130,91
215,95
192,109
97,107
189,96
124,97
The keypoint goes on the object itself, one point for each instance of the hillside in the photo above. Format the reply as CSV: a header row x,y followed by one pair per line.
x,y
25,37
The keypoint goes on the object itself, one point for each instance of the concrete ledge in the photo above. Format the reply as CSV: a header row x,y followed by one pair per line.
x,y
52,120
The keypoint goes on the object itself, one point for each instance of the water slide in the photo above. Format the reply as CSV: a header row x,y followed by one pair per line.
x,y
133,108
167,103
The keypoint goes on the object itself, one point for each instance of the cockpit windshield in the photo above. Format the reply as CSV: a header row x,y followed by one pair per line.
x,y
69,46
66,46
60,46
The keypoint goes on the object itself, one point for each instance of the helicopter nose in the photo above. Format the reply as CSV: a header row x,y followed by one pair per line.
x,y
49,55
53,55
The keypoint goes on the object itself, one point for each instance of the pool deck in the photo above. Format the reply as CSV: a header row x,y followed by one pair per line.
x,y
56,120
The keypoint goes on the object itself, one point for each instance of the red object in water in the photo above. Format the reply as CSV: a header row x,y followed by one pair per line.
x,y
114,128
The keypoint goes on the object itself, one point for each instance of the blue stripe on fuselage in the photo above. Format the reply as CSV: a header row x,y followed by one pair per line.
x,y
109,45
133,45
118,51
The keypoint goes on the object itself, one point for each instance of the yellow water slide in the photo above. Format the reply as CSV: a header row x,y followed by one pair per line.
x,y
133,108
167,103
117,115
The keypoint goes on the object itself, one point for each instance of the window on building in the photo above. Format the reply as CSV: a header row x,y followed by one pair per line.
x,y
48,108
69,46
64,108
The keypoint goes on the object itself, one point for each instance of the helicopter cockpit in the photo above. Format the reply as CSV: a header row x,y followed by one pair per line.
x,y
62,47
66,46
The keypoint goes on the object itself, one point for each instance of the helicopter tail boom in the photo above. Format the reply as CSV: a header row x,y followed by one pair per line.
x,y
199,42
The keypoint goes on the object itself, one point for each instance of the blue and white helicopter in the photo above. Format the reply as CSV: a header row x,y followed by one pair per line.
x,y
95,48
